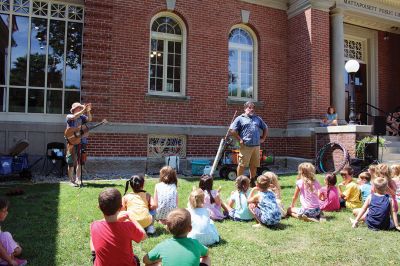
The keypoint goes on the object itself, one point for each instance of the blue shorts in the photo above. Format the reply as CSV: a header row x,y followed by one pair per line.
x,y
310,213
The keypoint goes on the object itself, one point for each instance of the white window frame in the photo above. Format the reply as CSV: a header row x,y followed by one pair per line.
x,y
169,37
39,117
240,48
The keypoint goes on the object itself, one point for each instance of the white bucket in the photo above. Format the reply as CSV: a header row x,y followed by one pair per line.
x,y
207,170
173,161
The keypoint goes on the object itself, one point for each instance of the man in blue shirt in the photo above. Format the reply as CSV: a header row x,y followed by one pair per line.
x,y
246,128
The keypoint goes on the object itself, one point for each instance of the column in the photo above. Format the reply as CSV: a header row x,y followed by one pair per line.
x,y
337,67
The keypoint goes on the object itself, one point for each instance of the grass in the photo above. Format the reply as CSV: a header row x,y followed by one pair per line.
x,y
51,221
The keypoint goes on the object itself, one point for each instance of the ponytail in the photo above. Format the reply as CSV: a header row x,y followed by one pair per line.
x,y
136,182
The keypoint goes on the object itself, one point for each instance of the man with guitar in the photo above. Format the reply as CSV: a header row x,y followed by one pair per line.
x,y
76,152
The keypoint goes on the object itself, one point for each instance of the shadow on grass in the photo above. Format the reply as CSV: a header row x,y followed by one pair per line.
x,y
222,242
33,216
279,227
160,230
98,185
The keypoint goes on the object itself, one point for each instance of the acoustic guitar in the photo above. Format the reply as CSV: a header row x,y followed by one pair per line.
x,y
73,135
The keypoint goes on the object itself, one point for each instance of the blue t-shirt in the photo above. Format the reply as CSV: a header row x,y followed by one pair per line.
x,y
248,128
331,117
77,123
365,191
242,211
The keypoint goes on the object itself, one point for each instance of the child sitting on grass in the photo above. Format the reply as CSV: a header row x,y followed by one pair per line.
x,y
139,203
165,193
329,197
383,170
212,200
9,249
203,228
263,204
395,168
380,208
178,250
309,189
349,192
276,188
365,185
237,205
111,238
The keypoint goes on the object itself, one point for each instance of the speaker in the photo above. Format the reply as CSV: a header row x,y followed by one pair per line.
x,y
379,127
371,151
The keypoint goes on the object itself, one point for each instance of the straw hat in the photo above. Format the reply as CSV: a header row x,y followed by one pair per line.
x,y
76,105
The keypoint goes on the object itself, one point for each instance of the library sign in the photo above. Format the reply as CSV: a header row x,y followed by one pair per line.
x,y
370,8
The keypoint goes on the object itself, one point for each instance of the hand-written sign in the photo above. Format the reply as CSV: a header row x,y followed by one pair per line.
x,y
373,9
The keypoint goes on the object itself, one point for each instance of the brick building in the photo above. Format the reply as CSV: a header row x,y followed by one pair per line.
x,y
169,75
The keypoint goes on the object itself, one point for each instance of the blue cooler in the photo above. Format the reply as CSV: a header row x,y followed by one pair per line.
x,y
5,165
198,166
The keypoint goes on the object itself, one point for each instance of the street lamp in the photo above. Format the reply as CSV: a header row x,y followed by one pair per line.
x,y
352,67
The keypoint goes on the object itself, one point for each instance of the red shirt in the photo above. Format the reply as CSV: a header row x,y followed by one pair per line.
x,y
112,242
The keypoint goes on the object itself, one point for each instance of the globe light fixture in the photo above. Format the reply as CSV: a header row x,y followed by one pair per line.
x,y
352,66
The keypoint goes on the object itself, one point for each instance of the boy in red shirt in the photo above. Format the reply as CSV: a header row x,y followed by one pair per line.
x,y
111,238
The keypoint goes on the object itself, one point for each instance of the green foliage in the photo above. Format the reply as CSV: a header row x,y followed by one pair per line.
x,y
360,145
51,222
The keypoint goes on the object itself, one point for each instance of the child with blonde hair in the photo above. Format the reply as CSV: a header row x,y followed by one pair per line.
x,y
309,190
329,196
203,228
263,205
237,205
165,193
139,203
395,168
276,188
212,200
371,171
383,170
380,208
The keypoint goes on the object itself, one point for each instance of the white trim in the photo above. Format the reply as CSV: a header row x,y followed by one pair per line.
x,y
255,58
370,38
166,37
277,4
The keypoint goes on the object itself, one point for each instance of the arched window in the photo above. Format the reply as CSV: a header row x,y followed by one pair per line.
x,y
167,55
242,63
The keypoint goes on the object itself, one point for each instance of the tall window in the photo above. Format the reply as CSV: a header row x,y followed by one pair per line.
x,y
167,55
242,64
40,56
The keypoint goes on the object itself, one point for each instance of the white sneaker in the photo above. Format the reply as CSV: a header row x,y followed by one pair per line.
x,y
150,230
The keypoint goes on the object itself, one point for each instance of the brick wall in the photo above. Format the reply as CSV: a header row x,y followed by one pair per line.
x,y
389,63
122,39
309,64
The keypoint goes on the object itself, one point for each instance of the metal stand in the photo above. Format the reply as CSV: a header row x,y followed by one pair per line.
x,y
80,162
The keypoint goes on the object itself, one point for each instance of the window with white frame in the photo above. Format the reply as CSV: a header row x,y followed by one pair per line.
x,y
242,64
40,56
167,55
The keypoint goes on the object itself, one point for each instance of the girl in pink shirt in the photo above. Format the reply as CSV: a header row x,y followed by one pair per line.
x,y
329,197
309,189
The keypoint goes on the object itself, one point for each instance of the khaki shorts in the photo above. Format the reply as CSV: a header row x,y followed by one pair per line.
x,y
249,156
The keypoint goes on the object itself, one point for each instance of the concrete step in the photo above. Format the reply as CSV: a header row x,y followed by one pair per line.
x,y
392,143
392,149
391,138
391,157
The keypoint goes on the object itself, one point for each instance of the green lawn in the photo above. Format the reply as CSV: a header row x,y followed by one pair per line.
x,y
51,221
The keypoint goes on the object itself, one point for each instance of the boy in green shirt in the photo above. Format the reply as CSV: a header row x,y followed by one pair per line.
x,y
178,250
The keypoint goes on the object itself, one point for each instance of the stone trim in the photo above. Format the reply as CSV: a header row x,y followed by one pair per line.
x,y
245,16
344,129
277,4
298,6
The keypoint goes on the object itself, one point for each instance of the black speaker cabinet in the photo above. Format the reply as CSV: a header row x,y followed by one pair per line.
x,y
379,127
371,151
